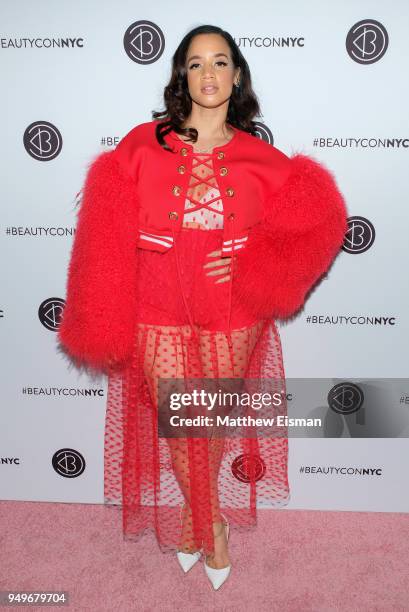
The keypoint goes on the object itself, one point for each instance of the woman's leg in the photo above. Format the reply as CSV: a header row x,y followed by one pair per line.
x,y
217,363
164,357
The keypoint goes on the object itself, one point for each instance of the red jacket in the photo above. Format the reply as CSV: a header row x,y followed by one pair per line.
x,y
247,171
285,217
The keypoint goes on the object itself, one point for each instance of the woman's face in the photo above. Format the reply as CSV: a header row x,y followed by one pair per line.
x,y
210,70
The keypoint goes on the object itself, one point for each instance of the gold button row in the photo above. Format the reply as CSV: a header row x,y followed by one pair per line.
x,y
223,170
184,151
177,190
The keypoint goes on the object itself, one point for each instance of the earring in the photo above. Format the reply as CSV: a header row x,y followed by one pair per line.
x,y
237,84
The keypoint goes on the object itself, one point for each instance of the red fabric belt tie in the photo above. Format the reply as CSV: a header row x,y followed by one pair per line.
x,y
194,333
185,302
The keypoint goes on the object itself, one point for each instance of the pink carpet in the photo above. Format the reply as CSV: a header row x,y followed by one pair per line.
x,y
298,561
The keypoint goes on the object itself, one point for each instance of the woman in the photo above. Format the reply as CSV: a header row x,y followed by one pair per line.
x,y
192,237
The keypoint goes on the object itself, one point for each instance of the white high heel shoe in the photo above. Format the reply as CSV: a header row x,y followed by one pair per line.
x,y
187,560
218,576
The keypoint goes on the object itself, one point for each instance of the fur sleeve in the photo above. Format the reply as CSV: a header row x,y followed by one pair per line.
x,y
302,231
98,321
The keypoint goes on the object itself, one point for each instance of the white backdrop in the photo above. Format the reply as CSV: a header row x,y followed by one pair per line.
x,y
77,76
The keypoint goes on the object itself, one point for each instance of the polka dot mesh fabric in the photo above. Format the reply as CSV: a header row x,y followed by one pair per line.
x,y
153,478
176,487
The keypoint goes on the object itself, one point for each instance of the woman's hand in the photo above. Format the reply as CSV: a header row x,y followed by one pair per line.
x,y
217,263
225,261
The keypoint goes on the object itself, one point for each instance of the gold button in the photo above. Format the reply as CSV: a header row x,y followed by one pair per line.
x,y
173,215
220,155
223,171
182,169
231,216
183,151
230,192
176,190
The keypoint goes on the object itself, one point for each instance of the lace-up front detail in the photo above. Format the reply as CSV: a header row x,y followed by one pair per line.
x,y
203,203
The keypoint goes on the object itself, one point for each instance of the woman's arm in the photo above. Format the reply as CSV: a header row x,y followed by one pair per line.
x,y
98,321
303,229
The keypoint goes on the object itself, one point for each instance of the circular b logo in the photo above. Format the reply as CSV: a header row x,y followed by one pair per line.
x,y
367,41
144,42
50,313
360,235
345,398
264,133
42,140
68,462
248,468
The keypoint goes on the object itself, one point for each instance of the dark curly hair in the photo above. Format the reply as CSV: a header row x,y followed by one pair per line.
x,y
243,103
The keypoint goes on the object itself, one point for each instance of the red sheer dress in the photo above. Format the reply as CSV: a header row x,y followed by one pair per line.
x,y
190,328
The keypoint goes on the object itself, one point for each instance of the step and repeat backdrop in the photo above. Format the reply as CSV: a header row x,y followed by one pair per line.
x,y
331,82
